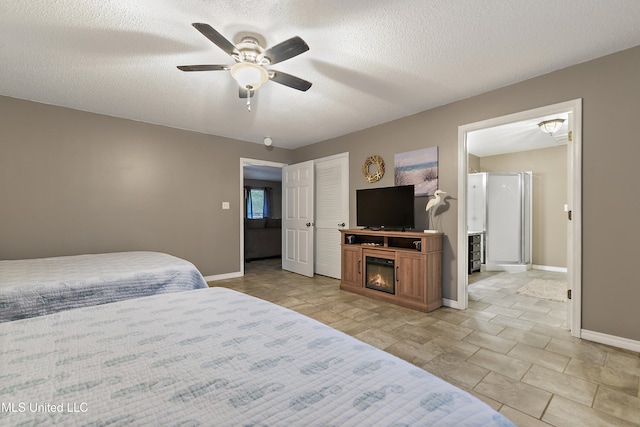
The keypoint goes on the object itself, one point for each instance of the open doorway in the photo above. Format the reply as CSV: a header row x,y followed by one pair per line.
x,y
516,192
261,213
572,111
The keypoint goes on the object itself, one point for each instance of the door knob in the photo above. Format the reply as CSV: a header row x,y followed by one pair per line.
x,y
308,224
342,224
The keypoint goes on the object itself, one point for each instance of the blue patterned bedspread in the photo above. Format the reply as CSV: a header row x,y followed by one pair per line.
x,y
34,287
213,357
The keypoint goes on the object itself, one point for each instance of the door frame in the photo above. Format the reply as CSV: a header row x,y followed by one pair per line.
x,y
574,201
249,162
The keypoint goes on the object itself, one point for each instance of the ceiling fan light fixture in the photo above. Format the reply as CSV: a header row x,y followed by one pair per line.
x,y
551,126
248,75
250,58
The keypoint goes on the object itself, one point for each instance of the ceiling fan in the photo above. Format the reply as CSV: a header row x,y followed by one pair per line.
x,y
251,59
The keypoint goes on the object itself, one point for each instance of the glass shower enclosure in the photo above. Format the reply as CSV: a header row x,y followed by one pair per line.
x,y
499,206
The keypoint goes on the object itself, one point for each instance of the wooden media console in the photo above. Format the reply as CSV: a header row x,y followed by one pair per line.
x,y
403,268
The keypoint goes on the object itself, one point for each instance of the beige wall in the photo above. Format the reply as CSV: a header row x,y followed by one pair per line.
x,y
549,225
610,89
73,182
473,163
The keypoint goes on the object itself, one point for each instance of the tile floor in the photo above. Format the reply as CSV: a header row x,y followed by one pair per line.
x,y
510,350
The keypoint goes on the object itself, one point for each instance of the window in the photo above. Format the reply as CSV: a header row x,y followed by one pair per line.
x,y
255,203
258,202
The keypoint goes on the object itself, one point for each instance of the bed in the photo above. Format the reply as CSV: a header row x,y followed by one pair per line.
x,y
34,287
213,357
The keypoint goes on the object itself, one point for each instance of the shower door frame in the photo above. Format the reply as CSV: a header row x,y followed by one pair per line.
x,y
525,226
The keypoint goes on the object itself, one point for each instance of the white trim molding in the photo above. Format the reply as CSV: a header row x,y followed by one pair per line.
x,y
224,276
611,340
451,303
246,162
549,268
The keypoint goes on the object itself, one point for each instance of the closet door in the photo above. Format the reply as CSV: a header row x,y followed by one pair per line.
x,y
332,212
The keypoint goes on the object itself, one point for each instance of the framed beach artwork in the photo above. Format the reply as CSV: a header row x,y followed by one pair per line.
x,y
418,167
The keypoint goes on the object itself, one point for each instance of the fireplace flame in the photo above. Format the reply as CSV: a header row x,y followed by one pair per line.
x,y
378,281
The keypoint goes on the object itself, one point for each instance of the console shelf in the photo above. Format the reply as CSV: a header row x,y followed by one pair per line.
x,y
417,265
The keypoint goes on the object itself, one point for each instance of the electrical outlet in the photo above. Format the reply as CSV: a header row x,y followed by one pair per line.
x,y
225,205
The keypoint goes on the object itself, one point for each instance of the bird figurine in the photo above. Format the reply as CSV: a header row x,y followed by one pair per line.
x,y
433,204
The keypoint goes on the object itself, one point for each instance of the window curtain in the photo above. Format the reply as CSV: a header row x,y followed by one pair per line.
x,y
266,208
248,212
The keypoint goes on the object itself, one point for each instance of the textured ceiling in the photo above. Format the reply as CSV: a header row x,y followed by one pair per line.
x,y
514,137
370,61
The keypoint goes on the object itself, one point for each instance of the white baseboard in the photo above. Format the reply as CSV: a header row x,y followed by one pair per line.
x,y
450,303
611,340
550,268
223,276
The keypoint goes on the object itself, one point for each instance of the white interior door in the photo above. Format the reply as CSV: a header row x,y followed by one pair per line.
x,y
571,265
298,218
331,212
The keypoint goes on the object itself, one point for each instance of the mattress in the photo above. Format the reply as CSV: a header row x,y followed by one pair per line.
x,y
213,357
34,287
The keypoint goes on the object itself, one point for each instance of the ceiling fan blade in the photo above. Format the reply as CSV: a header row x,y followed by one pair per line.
x,y
243,93
289,80
285,50
217,38
203,67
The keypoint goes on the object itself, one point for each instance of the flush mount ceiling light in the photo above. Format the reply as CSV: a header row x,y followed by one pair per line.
x,y
551,126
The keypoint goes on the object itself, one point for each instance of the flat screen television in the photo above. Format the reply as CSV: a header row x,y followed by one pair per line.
x,y
387,207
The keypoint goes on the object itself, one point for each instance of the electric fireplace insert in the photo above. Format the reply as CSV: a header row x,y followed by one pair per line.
x,y
380,274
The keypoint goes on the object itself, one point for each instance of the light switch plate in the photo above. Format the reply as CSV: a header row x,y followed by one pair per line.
x,y
225,205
